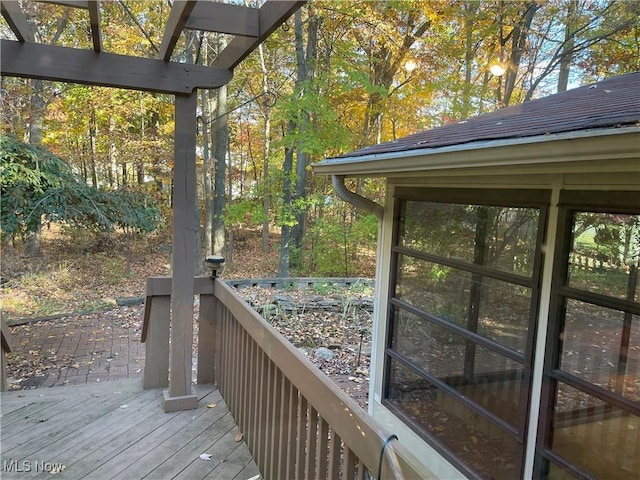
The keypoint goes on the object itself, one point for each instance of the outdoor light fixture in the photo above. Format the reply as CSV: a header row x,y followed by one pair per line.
x,y
214,262
498,69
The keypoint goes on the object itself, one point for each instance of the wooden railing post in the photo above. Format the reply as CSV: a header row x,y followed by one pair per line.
x,y
207,320
155,331
299,424
155,336
6,345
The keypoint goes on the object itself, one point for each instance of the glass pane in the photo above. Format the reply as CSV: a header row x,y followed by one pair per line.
x,y
445,292
504,313
600,349
604,254
595,436
498,237
480,444
438,290
484,376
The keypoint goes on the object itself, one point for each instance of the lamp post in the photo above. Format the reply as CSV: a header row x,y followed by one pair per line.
x,y
214,262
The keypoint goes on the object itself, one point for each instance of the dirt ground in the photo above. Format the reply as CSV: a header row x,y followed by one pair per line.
x,y
70,329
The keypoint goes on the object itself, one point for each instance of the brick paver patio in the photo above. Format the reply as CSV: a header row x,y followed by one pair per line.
x,y
99,347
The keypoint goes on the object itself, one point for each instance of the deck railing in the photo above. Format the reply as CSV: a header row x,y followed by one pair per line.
x,y
5,347
296,421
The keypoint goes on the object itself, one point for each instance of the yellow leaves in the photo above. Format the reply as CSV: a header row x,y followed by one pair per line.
x,y
239,437
212,405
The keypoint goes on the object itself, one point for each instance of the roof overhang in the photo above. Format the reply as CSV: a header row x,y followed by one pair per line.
x,y
577,146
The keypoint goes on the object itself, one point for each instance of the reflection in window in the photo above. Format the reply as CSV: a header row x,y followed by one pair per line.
x,y
598,438
506,235
480,374
464,293
445,292
604,254
485,447
593,423
597,348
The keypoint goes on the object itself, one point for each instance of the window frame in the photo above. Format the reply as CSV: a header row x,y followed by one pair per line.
x,y
571,202
527,198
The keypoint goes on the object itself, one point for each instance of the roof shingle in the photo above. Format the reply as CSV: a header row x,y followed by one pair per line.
x,y
609,103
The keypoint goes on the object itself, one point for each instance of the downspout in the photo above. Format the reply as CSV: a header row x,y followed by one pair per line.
x,y
354,199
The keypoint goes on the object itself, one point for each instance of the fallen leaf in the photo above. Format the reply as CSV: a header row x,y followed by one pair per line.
x,y
239,437
205,456
474,439
57,469
212,405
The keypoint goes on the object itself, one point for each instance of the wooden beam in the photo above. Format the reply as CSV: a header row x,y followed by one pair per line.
x,y
17,22
69,3
184,230
94,19
272,14
180,12
63,64
159,286
225,18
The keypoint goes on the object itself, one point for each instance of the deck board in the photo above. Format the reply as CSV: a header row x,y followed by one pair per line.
x,y
116,430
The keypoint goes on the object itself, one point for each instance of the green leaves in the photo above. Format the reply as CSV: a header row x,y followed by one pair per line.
x,y
36,185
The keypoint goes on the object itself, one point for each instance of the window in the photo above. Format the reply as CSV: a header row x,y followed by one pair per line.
x,y
465,287
590,415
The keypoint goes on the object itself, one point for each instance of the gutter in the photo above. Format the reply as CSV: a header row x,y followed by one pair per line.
x,y
354,199
571,146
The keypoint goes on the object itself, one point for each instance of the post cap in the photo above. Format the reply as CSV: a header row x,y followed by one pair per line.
x,y
214,260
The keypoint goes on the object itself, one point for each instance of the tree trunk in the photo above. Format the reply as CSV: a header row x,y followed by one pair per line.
x,y
207,178
113,153
518,44
222,136
140,161
265,155
285,234
470,12
33,241
92,148
567,49
306,72
384,66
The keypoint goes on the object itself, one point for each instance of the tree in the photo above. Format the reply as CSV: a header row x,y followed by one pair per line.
x,y
37,184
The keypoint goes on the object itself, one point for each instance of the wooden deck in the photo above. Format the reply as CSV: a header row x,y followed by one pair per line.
x,y
117,430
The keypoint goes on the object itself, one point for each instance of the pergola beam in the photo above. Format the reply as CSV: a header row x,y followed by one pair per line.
x,y
180,12
63,64
225,18
272,14
17,22
94,19
69,3
250,27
